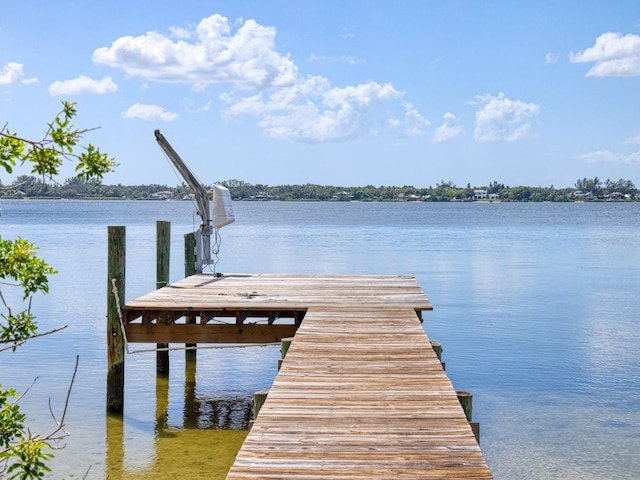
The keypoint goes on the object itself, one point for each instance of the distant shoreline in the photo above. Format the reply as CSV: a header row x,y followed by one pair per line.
x,y
115,199
586,190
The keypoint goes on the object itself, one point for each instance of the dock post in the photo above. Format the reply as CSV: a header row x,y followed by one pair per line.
x,y
466,400
163,248
437,347
190,269
258,400
285,343
115,335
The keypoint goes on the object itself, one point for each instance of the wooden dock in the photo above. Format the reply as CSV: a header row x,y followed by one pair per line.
x,y
256,308
360,395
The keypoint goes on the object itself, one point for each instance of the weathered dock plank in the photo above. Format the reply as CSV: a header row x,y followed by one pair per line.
x,y
264,291
360,395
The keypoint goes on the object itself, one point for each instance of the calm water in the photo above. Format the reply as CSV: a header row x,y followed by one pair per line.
x,y
536,306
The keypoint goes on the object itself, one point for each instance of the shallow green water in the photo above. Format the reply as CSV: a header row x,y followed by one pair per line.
x,y
173,453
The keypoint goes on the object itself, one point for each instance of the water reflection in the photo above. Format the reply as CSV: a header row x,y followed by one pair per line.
x,y
203,446
190,419
115,446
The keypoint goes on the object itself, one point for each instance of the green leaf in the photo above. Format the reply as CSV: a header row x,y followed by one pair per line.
x,y
18,261
94,164
28,459
11,418
11,149
18,328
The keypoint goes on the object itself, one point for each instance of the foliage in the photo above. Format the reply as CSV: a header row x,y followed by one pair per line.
x,y
29,457
24,455
19,262
11,419
28,454
47,155
18,328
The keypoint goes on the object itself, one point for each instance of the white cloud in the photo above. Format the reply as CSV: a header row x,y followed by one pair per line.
x,y
180,32
614,55
140,111
83,86
551,58
502,119
606,156
12,73
348,33
346,59
261,82
245,58
415,122
448,129
634,140
191,107
393,122
312,110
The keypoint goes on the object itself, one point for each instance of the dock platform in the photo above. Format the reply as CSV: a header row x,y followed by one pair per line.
x,y
256,308
360,394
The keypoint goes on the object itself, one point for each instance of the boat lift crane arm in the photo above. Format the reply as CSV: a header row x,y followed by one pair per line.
x,y
203,236
201,194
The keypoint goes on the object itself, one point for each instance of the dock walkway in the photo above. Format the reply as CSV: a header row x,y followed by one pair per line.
x,y
360,395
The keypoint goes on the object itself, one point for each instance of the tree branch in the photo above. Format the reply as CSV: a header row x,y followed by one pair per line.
x,y
14,345
53,436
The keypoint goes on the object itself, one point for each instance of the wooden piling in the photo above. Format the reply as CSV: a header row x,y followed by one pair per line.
x,y
437,348
190,269
163,249
189,254
466,400
475,428
115,335
285,343
258,400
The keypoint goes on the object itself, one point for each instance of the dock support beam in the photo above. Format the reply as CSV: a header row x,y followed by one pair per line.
x,y
163,249
115,335
190,269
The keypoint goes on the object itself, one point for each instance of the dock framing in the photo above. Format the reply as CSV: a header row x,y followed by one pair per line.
x,y
361,393
256,308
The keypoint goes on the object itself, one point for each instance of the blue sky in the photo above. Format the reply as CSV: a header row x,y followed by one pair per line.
x,y
343,93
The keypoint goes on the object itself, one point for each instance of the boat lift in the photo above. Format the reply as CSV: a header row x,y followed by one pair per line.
x,y
212,218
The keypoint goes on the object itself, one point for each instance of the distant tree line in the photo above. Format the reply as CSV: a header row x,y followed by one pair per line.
x,y
592,189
